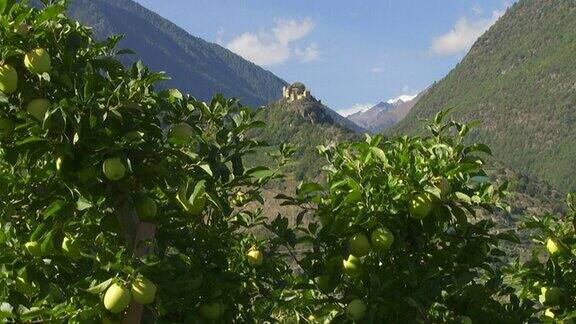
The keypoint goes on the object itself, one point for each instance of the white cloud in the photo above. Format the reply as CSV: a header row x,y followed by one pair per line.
x,y
219,35
463,35
276,46
355,108
377,70
309,54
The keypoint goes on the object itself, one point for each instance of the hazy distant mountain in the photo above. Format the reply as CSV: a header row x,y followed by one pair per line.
x,y
519,82
196,66
384,114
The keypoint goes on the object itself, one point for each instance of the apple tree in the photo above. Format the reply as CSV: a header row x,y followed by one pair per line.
x,y
399,234
547,280
117,199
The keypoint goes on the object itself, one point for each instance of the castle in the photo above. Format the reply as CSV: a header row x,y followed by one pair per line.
x,y
295,91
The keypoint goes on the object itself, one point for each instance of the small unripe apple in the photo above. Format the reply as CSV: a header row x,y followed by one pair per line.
x,y
6,127
113,169
356,309
38,61
116,298
8,79
34,248
38,108
420,206
255,257
352,266
23,29
70,247
359,245
382,238
181,132
444,185
146,209
550,295
211,311
552,246
143,290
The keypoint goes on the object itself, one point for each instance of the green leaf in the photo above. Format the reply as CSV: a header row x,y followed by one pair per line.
x,y
53,208
83,204
380,154
100,288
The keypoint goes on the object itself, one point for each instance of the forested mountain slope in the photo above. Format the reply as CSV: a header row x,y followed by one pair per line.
x,y
519,82
195,66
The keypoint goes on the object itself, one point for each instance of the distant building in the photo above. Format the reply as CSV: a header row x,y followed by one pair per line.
x,y
295,91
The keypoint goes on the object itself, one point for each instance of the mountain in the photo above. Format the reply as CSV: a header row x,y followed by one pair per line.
x,y
195,66
306,124
518,81
384,114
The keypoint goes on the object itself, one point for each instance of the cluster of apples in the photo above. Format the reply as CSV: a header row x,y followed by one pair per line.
x,y
37,61
551,296
118,297
70,247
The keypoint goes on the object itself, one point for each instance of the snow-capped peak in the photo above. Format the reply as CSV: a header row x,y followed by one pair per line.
x,y
403,98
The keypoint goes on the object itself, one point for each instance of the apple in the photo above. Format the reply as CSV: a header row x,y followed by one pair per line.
x,y
38,108
181,132
23,29
549,313
552,246
323,282
70,247
444,185
255,257
143,290
113,169
211,311
352,266
6,127
382,238
34,248
550,295
38,61
8,79
146,208
420,206
356,309
466,320
359,245
116,298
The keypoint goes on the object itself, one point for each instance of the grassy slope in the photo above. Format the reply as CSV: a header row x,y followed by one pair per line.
x,y
519,81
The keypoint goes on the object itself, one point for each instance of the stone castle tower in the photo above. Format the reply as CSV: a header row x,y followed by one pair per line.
x,y
295,91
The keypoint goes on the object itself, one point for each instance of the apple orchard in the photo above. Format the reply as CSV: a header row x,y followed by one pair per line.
x,y
123,202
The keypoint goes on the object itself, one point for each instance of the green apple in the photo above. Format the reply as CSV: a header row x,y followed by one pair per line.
x,y
113,169
255,257
444,185
352,266
420,206
211,311
116,298
146,208
359,245
143,290
23,29
382,239
6,127
550,295
70,247
38,108
181,132
356,309
552,246
8,79
34,248
38,61
323,283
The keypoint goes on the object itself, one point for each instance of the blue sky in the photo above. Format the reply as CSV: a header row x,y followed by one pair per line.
x,y
350,54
